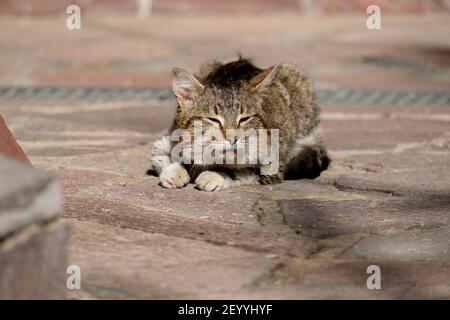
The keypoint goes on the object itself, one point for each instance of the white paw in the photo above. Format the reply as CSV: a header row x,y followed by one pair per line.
x,y
174,176
213,181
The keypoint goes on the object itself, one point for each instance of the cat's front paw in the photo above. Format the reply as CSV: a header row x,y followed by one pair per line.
x,y
174,176
213,181
272,179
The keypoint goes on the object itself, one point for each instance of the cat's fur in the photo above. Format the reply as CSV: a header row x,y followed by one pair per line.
x,y
220,95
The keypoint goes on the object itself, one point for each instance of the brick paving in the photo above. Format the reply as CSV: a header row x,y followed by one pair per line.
x,y
384,201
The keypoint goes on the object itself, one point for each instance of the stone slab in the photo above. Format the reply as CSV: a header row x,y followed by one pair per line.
x,y
325,219
132,263
126,215
423,245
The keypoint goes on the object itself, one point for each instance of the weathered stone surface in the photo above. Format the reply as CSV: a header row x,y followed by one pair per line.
x,y
373,161
140,117
344,280
373,215
135,264
129,216
74,181
348,279
33,262
128,162
229,206
426,245
385,130
129,263
427,180
27,196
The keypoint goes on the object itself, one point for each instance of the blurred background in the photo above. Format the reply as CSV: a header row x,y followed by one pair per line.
x,y
136,42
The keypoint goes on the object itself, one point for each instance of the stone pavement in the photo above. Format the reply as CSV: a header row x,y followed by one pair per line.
x,y
385,201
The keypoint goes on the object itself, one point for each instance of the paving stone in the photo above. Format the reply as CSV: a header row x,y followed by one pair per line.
x,y
348,279
318,189
43,136
149,117
130,162
380,130
427,180
107,120
325,219
74,181
229,206
130,216
426,245
307,292
379,159
129,263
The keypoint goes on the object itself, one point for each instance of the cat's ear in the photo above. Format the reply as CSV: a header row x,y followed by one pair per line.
x,y
264,79
185,86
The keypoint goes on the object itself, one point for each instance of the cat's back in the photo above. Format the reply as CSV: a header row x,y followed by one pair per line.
x,y
296,81
298,90
229,74
291,103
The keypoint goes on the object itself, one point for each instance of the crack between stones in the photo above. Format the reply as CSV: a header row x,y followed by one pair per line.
x,y
408,289
363,236
270,276
341,187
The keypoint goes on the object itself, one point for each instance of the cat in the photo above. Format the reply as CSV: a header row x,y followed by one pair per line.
x,y
240,96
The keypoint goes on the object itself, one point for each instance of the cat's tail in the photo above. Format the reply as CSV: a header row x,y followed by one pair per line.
x,y
308,163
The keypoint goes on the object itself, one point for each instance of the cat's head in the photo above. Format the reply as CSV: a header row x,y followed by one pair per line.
x,y
231,106
230,111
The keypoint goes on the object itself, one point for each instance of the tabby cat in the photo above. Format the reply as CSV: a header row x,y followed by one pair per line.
x,y
236,97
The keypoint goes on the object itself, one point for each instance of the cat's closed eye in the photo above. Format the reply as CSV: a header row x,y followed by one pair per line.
x,y
215,120
243,120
